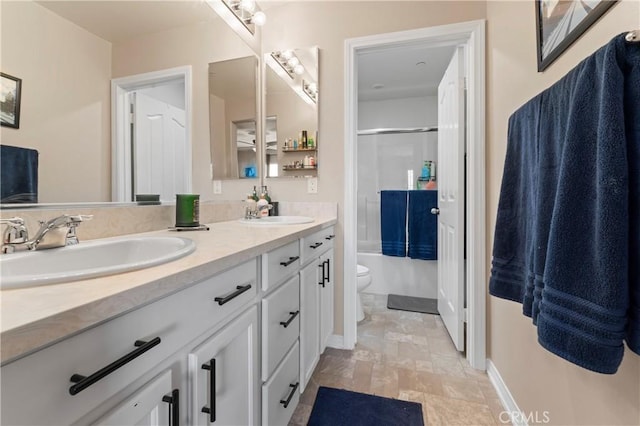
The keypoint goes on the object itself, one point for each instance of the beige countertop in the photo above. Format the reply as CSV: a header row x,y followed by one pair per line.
x,y
32,318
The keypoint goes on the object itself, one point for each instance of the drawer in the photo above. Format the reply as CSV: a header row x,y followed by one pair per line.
x,y
280,395
315,244
280,324
279,264
36,389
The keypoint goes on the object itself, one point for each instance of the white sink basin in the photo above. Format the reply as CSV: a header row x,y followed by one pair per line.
x,y
89,259
278,220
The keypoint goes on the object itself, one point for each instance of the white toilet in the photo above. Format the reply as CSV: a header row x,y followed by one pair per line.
x,y
364,280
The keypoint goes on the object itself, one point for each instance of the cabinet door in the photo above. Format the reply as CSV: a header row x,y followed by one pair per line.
x,y
326,298
223,374
156,403
309,321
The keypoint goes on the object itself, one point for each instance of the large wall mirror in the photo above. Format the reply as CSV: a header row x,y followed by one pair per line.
x,y
291,132
67,52
233,118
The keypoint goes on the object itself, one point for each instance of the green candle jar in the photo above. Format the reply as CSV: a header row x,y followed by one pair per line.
x,y
187,210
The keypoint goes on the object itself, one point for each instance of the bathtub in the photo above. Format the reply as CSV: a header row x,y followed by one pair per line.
x,y
401,275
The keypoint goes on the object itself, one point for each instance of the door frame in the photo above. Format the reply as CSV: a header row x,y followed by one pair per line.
x,y
472,35
121,138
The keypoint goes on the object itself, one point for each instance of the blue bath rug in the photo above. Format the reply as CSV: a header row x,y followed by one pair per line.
x,y
337,407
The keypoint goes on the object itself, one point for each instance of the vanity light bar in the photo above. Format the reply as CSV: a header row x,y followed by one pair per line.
x,y
247,12
311,90
289,62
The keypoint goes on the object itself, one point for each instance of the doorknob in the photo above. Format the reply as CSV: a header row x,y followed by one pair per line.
x,y
435,210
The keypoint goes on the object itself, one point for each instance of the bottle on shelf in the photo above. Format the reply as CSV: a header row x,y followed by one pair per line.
x,y
310,143
303,139
295,144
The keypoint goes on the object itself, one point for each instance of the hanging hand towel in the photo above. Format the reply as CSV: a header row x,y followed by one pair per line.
x,y
393,221
423,226
562,242
19,175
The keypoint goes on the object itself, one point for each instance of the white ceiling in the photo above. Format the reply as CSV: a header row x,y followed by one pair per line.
x,y
396,69
115,21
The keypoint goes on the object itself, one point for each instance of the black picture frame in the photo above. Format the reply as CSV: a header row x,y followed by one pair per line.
x,y
10,92
556,30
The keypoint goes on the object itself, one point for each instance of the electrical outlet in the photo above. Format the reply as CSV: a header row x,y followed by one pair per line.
x,y
217,187
312,185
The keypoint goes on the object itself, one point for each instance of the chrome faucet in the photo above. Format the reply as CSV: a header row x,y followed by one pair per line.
x,y
57,232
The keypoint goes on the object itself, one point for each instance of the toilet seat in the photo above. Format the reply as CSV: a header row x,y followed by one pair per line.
x,y
362,270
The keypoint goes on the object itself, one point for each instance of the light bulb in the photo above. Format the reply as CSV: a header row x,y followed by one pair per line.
x,y
286,55
313,87
248,5
259,18
293,61
298,69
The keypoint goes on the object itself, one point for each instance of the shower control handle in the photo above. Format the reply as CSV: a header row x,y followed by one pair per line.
x,y
435,211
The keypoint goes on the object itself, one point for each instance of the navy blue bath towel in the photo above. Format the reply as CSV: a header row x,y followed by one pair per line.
x,y
393,222
567,237
423,226
18,175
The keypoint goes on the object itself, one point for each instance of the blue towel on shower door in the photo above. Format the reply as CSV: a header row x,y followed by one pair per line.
x,y
393,222
423,226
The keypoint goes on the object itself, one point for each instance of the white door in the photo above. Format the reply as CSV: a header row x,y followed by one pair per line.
x,y
151,405
159,148
451,149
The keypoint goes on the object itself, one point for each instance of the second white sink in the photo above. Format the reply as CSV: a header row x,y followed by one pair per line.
x,y
89,259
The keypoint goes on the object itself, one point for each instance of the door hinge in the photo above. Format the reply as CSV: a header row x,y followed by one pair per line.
x,y
466,315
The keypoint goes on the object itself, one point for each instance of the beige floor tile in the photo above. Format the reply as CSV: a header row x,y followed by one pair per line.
x,y
408,356
337,366
448,411
416,352
462,388
301,415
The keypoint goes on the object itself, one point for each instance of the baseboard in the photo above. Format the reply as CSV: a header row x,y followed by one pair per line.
x,y
335,341
511,408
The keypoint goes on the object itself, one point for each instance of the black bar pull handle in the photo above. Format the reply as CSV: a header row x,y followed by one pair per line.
x,y
328,277
211,409
239,290
174,407
294,388
290,261
83,382
323,274
329,237
286,323
316,245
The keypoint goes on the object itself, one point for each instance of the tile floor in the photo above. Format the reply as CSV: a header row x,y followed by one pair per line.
x,y
408,356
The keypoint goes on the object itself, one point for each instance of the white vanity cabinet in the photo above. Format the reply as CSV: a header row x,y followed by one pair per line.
x,y
95,370
157,403
316,299
223,375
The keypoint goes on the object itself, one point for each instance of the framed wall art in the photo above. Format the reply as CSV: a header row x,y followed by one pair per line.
x,y
10,88
561,22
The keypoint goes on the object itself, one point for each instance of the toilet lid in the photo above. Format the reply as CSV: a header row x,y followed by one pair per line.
x,y
362,270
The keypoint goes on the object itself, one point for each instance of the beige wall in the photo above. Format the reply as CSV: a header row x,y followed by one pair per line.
x,y
65,103
538,380
327,25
